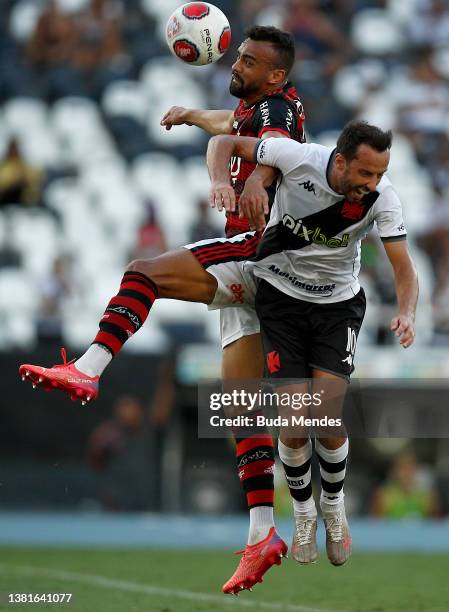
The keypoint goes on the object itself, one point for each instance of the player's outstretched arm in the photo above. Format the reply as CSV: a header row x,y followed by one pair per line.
x,y
406,282
212,121
219,153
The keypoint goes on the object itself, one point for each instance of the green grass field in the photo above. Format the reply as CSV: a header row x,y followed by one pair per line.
x,y
190,581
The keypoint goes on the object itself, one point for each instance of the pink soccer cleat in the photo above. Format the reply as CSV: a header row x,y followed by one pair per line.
x,y
63,376
257,559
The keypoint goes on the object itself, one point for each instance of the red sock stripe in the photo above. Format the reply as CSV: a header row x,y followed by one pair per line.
x,y
119,320
253,442
228,250
257,468
140,287
140,278
108,340
140,309
259,498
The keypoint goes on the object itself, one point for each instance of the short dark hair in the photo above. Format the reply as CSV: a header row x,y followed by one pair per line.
x,y
356,133
282,41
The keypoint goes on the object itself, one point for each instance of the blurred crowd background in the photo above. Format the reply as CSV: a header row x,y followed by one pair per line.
x,y
89,179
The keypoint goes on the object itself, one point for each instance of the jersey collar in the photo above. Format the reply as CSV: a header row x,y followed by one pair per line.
x,y
287,85
328,169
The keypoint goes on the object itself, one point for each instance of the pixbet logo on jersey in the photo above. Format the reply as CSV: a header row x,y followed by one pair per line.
x,y
314,234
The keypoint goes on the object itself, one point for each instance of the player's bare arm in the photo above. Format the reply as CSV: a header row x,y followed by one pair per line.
x,y
253,202
406,282
219,153
212,121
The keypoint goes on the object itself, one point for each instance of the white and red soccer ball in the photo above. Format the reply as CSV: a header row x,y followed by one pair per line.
x,y
198,33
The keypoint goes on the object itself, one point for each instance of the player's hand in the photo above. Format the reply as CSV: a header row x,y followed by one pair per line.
x,y
222,195
177,115
403,327
253,204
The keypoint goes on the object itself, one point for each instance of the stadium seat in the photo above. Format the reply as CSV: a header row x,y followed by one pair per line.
x,y
158,8
125,98
79,127
374,32
441,61
327,138
197,178
35,234
159,177
349,88
72,6
22,114
402,11
58,193
424,311
378,110
24,17
272,15
17,292
17,330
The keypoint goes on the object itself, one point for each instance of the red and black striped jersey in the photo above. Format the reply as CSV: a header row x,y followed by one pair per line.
x,y
279,111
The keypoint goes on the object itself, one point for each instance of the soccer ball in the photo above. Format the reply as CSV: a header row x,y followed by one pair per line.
x,y
198,33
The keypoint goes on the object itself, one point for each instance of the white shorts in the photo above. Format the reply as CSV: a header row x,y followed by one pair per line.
x,y
224,258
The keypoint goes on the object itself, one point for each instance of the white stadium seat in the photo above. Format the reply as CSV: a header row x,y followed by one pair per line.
x,y
159,177
349,88
24,17
125,98
22,114
402,10
441,61
17,291
72,6
374,32
35,234
80,130
158,8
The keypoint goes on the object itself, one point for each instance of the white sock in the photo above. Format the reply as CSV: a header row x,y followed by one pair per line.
x,y
94,361
297,469
261,520
307,508
331,500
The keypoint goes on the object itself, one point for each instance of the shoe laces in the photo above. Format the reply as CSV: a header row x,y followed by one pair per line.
x,y
303,533
334,527
246,552
64,357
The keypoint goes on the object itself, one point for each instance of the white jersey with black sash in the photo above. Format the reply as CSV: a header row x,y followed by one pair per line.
x,y
310,249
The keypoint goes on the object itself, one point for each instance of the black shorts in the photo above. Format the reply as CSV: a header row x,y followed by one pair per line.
x,y
299,336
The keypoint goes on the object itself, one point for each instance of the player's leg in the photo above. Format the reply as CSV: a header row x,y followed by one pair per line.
x,y
283,323
332,452
243,361
332,359
176,274
242,368
192,274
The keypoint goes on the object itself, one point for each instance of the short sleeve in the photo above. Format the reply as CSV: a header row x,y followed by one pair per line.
x,y
388,216
281,153
274,115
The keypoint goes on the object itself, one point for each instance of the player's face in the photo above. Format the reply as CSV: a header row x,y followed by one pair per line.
x,y
253,71
362,174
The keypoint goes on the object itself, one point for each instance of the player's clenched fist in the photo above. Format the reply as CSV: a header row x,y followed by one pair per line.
x,y
221,195
177,115
403,327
